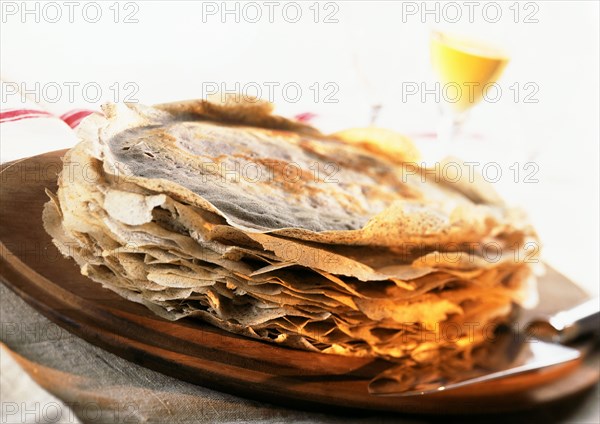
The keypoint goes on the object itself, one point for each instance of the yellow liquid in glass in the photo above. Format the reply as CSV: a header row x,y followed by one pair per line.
x,y
466,64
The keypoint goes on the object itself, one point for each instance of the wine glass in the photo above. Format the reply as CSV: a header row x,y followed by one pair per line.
x,y
466,69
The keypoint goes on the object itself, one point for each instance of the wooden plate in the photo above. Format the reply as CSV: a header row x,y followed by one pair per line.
x,y
201,354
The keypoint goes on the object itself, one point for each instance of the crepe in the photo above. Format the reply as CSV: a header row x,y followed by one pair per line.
x,y
267,228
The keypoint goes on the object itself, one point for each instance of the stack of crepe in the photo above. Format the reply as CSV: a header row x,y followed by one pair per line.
x,y
265,227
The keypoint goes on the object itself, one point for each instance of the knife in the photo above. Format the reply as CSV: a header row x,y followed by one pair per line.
x,y
557,339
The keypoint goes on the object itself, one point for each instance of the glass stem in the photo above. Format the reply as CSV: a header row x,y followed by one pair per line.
x,y
375,109
448,129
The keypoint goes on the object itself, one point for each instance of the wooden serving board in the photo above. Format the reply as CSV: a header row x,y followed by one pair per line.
x,y
199,353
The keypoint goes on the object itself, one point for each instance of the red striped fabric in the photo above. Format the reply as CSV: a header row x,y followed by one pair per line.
x,y
74,117
12,115
71,118
305,117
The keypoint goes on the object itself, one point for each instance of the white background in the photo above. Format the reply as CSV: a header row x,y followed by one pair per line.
x,y
369,53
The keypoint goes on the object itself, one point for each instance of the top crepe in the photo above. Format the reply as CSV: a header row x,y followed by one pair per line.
x,y
266,174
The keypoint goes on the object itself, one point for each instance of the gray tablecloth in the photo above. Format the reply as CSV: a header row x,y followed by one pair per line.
x,y
52,376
